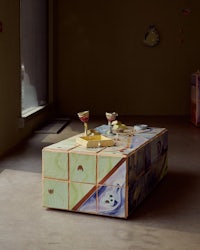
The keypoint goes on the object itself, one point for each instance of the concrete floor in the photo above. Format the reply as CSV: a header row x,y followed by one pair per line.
x,y
168,219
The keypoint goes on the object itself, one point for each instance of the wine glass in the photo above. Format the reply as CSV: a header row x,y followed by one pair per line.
x,y
84,117
110,117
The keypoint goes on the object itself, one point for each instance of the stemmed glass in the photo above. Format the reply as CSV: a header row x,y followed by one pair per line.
x,y
84,117
110,117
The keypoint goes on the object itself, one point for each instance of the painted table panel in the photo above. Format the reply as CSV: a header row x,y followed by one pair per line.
x,y
56,163
55,193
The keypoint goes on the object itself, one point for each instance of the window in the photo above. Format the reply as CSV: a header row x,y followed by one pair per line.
x,y
34,55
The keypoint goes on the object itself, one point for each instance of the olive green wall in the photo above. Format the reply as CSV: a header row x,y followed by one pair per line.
x,y
101,63
10,84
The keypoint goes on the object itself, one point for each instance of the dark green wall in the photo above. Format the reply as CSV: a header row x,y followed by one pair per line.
x,y
102,64
13,129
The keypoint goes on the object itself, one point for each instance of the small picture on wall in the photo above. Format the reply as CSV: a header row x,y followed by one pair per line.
x,y
152,37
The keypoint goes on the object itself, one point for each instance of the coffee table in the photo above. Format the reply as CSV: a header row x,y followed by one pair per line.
x,y
109,181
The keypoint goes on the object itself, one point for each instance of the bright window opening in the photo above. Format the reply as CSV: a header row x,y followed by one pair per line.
x,y
34,55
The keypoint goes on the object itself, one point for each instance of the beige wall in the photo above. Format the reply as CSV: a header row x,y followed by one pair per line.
x,y
10,85
102,64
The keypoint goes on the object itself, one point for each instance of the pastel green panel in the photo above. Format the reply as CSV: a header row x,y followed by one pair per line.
x,y
55,164
55,194
82,168
79,193
105,165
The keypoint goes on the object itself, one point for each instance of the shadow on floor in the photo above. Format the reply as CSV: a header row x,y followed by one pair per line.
x,y
174,203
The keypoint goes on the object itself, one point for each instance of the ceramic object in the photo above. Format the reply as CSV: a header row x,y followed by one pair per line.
x,y
110,117
84,117
95,141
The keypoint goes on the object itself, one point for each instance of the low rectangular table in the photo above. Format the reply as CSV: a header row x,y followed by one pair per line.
x,y
109,181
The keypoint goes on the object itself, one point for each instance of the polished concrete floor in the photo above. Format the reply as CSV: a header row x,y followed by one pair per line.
x,y
169,218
